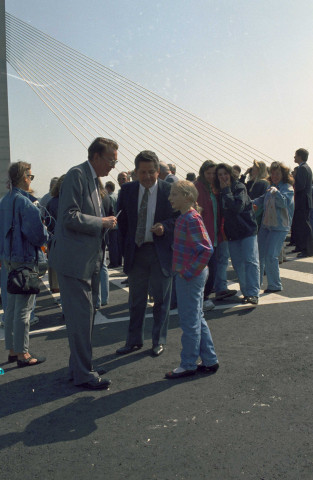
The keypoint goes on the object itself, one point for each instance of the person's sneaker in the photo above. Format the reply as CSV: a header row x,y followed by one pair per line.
x,y
34,320
208,305
253,300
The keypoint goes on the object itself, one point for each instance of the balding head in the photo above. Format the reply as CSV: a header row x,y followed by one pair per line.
x,y
164,170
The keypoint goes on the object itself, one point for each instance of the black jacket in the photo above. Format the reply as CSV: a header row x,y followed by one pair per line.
x,y
303,187
239,217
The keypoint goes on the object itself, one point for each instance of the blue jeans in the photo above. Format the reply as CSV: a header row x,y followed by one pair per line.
x,y
4,295
17,316
103,297
222,256
244,255
196,338
270,245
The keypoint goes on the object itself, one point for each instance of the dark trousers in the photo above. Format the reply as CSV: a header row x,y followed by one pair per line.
x,y
212,274
302,231
146,274
114,249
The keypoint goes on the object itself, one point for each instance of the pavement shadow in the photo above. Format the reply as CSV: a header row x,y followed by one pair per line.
x,y
34,390
78,419
113,361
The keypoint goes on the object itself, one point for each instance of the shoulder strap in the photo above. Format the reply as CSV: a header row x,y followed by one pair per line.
x,y
12,230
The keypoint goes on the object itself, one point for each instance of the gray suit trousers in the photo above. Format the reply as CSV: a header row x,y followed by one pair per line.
x,y
146,274
79,298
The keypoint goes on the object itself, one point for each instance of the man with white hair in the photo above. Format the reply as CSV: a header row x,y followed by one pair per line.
x,y
166,174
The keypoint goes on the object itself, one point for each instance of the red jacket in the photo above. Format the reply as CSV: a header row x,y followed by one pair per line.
x,y
205,202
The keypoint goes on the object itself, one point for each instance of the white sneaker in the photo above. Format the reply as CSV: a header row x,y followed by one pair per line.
x,y
34,320
208,305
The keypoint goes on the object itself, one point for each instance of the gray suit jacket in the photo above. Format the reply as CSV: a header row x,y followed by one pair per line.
x,y
78,237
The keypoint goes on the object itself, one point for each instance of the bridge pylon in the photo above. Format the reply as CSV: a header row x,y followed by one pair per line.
x,y
4,111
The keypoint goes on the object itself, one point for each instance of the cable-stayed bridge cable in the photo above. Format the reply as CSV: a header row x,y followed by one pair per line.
x,y
95,97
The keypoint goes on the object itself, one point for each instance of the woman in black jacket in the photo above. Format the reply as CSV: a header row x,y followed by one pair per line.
x,y
240,228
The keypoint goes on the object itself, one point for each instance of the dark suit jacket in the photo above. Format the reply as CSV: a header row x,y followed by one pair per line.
x,y
78,239
127,224
303,187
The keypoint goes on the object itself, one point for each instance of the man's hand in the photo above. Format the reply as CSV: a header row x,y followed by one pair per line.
x,y
109,222
157,229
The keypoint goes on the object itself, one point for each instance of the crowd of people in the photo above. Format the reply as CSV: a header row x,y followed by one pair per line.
x,y
173,238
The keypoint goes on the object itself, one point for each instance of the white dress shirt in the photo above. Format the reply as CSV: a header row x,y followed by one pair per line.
x,y
152,198
94,176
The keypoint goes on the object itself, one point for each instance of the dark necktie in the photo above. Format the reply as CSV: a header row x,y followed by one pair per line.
x,y
99,197
142,219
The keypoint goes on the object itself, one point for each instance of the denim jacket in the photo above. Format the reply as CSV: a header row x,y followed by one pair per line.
x,y
29,232
283,202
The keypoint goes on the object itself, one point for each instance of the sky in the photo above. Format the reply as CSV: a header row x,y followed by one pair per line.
x,y
244,66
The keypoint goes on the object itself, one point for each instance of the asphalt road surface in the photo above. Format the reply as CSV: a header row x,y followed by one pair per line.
x,y
252,420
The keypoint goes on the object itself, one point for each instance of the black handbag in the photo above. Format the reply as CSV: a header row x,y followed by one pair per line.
x,y
23,280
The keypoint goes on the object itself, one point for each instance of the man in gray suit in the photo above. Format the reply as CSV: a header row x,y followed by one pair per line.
x,y
77,253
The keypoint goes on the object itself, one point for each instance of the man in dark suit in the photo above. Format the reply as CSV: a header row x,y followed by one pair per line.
x,y
146,226
77,254
303,203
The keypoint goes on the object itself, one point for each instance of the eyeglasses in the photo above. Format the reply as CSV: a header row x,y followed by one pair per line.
x,y
110,161
31,177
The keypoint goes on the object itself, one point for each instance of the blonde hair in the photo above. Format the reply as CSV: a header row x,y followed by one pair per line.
x,y
189,191
262,170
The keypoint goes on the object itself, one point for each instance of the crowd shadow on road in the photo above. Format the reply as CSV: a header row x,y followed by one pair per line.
x,y
78,418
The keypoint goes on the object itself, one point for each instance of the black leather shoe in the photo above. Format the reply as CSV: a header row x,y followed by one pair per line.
x,y
302,255
268,290
253,300
128,349
100,372
209,370
244,300
157,350
96,384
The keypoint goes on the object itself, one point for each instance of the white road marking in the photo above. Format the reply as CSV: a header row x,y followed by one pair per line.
x,y
267,299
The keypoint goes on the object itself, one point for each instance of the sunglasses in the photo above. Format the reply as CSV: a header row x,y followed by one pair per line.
x,y
31,177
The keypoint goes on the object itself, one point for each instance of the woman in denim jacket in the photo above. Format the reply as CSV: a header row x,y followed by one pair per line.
x,y
28,235
278,207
